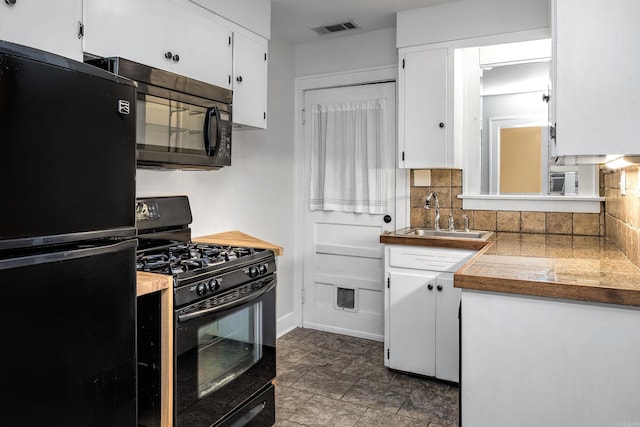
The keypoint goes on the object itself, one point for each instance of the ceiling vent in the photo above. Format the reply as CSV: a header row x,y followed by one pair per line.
x,y
334,28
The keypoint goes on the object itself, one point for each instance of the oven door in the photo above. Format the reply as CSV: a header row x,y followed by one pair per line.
x,y
224,358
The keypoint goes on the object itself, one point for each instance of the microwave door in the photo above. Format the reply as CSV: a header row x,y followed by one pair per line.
x,y
212,123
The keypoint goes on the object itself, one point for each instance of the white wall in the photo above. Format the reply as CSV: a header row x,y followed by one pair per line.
x,y
361,50
255,195
465,19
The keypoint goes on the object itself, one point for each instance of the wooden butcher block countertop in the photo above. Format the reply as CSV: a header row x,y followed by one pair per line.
x,y
151,282
580,268
238,238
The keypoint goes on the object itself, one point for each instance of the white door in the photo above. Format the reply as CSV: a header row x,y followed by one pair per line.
x,y
343,259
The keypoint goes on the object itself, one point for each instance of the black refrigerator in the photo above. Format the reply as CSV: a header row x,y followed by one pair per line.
x,y
67,242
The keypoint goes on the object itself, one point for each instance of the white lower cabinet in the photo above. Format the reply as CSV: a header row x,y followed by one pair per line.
x,y
533,361
421,310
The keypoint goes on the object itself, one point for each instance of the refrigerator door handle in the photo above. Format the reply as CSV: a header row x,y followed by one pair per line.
x,y
65,254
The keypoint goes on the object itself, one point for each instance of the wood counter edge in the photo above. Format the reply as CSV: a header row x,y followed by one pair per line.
x,y
556,290
437,242
238,238
147,283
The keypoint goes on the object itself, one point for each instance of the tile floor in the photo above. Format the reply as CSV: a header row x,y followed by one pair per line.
x,y
327,379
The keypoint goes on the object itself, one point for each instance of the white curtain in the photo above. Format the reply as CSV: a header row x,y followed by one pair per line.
x,y
348,165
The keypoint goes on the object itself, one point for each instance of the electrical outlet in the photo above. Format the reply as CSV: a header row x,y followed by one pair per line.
x,y
422,178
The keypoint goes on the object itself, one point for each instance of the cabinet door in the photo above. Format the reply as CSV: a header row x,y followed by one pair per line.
x,y
423,110
412,323
596,76
135,30
203,44
249,81
43,24
447,330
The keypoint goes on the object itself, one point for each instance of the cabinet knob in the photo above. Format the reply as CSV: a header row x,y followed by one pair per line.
x,y
439,288
545,97
239,79
168,55
430,286
176,58
441,125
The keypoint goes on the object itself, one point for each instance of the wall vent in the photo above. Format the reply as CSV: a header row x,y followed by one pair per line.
x,y
334,28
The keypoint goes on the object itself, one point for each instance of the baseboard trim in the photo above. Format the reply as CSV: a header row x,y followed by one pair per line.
x,y
343,331
286,324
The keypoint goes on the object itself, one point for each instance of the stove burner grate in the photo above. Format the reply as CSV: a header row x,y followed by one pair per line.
x,y
185,257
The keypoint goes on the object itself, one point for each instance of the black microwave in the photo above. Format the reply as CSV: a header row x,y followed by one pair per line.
x,y
181,123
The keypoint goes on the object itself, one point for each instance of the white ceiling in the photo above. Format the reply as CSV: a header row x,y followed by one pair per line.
x,y
292,19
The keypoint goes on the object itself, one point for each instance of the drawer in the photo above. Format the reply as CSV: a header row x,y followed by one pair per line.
x,y
435,259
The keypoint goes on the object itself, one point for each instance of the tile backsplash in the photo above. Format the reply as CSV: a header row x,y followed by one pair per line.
x,y
447,183
619,219
622,212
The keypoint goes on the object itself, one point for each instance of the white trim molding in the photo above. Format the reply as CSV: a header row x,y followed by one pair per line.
x,y
531,203
323,81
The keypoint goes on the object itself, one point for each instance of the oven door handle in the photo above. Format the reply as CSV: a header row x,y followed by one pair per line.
x,y
250,297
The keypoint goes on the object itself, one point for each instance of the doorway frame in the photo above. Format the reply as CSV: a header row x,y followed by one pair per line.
x,y
325,81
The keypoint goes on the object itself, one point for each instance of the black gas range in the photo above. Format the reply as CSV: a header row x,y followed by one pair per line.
x,y
224,318
202,270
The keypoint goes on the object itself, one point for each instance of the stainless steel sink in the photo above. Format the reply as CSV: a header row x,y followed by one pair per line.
x,y
456,234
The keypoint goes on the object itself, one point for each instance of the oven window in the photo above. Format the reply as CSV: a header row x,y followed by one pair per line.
x,y
228,347
170,126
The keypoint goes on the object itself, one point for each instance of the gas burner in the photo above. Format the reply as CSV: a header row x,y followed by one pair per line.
x,y
154,263
240,252
193,263
186,256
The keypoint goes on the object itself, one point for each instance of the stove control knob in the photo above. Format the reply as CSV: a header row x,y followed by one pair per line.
x,y
201,289
214,285
253,271
262,268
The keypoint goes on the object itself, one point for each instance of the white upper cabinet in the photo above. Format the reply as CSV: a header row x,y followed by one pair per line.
x,y
203,42
596,93
249,80
132,30
424,136
171,35
181,37
52,26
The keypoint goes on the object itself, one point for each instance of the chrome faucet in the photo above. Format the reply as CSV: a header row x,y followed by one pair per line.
x,y
451,223
427,205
